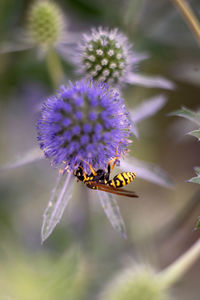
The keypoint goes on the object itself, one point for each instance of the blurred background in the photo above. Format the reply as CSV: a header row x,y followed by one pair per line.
x,y
84,252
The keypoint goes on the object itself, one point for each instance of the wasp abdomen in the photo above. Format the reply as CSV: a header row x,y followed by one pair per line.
x,y
122,179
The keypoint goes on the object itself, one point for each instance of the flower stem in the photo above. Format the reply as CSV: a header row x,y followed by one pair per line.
x,y
54,68
189,16
178,268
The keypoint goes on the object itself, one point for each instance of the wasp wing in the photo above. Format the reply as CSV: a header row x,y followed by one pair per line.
x,y
112,190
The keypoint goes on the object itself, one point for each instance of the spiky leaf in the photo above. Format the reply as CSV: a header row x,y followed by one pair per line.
x,y
188,114
24,159
197,178
112,212
196,133
147,108
147,171
150,81
198,224
60,197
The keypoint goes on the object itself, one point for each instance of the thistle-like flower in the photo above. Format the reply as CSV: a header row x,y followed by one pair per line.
x,y
84,123
45,29
107,56
45,23
137,282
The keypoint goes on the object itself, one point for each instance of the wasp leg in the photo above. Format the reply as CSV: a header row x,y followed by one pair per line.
x,y
84,174
114,160
91,168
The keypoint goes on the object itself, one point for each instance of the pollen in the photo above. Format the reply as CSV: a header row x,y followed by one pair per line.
x,y
104,62
106,72
99,52
90,47
98,67
113,65
91,58
110,52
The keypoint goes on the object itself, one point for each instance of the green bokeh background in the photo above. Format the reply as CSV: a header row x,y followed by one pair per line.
x,y
84,252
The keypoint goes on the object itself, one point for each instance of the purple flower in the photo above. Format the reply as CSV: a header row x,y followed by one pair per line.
x,y
85,122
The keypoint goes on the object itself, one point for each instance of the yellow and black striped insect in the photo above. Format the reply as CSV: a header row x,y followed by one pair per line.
x,y
100,180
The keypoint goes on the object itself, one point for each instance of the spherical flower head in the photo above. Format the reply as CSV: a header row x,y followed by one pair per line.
x,y
105,55
45,23
140,283
84,123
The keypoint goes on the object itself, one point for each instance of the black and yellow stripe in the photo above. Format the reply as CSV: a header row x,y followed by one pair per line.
x,y
99,180
122,179
87,178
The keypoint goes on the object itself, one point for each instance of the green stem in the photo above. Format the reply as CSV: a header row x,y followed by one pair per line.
x,y
178,268
189,16
54,68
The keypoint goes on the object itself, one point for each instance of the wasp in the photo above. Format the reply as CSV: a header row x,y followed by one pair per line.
x,y
100,179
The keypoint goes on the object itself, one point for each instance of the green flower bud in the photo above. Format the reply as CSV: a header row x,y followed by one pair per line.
x,y
140,283
105,56
45,23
